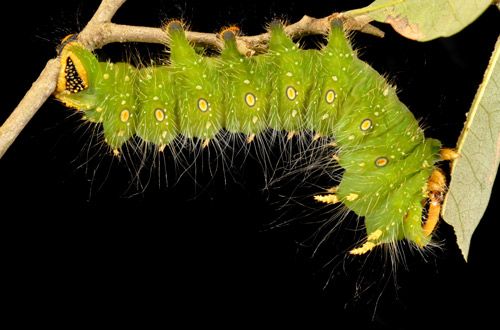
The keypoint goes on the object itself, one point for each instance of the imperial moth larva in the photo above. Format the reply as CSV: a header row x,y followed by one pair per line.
x,y
329,91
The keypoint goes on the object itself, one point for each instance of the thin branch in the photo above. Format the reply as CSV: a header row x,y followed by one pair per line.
x,y
107,9
39,92
107,33
100,31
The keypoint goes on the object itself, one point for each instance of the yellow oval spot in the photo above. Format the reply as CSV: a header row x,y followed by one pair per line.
x,y
124,115
330,96
250,99
291,93
159,114
381,161
366,124
202,104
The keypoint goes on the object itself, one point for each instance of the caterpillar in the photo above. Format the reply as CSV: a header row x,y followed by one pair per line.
x,y
390,172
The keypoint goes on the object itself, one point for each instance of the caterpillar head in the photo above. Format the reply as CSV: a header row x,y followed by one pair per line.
x,y
74,83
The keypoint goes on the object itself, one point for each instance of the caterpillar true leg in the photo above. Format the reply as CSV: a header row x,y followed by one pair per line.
x,y
436,187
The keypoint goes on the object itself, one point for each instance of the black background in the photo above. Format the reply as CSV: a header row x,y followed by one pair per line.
x,y
80,241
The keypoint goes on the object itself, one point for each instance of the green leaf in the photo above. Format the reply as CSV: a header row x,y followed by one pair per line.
x,y
473,173
423,20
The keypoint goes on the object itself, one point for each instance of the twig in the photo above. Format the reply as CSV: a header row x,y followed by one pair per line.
x,y
100,31
106,33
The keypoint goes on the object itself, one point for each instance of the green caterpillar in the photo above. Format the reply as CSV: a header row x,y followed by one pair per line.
x,y
389,164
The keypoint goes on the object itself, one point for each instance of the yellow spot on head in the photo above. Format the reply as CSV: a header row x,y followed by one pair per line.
x,y
381,161
366,124
250,99
202,104
124,115
159,114
291,93
330,96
